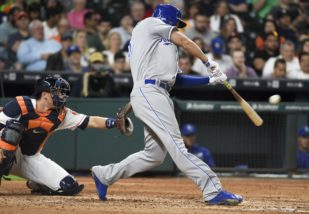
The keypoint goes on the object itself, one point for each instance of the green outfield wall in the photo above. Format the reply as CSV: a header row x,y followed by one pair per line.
x,y
221,126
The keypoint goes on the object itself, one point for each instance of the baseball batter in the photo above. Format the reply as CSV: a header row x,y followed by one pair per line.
x,y
26,123
153,56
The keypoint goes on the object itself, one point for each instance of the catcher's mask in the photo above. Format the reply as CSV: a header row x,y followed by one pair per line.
x,y
58,87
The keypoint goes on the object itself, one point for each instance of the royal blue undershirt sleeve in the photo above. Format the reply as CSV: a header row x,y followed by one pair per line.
x,y
187,80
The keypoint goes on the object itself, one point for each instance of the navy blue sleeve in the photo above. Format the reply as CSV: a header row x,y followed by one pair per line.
x,y
187,80
12,109
208,158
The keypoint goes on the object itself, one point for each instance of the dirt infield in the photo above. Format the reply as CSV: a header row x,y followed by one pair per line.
x,y
161,195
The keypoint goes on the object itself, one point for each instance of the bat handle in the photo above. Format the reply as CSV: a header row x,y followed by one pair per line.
x,y
227,85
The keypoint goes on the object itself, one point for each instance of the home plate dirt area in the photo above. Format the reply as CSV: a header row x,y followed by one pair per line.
x,y
161,195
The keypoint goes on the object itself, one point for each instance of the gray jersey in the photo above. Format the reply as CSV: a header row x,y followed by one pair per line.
x,y
152,55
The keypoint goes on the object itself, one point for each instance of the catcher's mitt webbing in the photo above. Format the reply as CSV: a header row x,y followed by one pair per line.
x,y
124,123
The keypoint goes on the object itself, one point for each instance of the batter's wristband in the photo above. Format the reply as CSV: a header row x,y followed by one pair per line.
x,y
110,123
207,63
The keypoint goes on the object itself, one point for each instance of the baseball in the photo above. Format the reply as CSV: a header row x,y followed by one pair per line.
x,y
274,99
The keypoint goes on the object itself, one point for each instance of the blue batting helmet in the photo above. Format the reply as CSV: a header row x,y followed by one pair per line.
x,y
188,129
304,131
169,14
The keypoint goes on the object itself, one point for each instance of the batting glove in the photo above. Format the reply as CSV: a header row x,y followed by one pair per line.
x,y
218,78
212,66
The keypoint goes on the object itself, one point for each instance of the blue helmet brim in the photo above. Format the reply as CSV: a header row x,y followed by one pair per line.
x,y
181,24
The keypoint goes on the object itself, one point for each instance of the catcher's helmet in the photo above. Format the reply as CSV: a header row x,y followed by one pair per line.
x,y
57,86
169,14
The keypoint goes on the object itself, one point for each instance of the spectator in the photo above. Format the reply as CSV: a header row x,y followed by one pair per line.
x,y
229,29
137,11
302,155
34,10
271,49
287,52
34,52
240,69
191,11
74,65
234,42
285,29
90,23
52,4
52,20
263,7
217,53
63,28
80,39
125,29
188,132
185,65
6,28
293,9
207,6
120,66
150,5
222,14
200,43
269,27
15,39
59,60
304,47
201,29
304,66
99,40
98,81
99,63
3,64
239,7
76,15
279,71
114,46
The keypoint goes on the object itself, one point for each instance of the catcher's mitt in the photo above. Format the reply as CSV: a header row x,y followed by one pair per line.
x,y
124,123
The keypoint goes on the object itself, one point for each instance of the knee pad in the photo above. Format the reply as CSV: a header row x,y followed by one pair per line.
x,y
10,138
12,133
69,186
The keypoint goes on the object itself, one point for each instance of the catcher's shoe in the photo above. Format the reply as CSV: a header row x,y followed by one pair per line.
x,y
225,198
100,186
38,188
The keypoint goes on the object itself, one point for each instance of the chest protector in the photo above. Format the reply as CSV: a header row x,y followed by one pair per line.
x,y
38,125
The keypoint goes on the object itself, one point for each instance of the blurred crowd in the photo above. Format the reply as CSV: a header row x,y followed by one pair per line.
x,y
248,38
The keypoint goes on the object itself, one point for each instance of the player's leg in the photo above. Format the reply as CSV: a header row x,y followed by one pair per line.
x,y
157,111
10,138
153,155
45,176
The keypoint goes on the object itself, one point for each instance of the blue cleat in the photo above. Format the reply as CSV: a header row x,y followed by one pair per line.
x,y
225,198
101,188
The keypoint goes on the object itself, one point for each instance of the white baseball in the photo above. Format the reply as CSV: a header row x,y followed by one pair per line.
x,y
274,99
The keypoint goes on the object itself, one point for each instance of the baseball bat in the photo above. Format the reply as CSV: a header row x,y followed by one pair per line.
x,y
254,117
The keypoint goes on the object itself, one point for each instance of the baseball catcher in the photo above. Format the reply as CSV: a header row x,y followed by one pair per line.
x,y
25,125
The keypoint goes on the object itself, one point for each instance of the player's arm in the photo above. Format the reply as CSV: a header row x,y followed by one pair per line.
x,y
75,120
188,45
122,122
101,122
